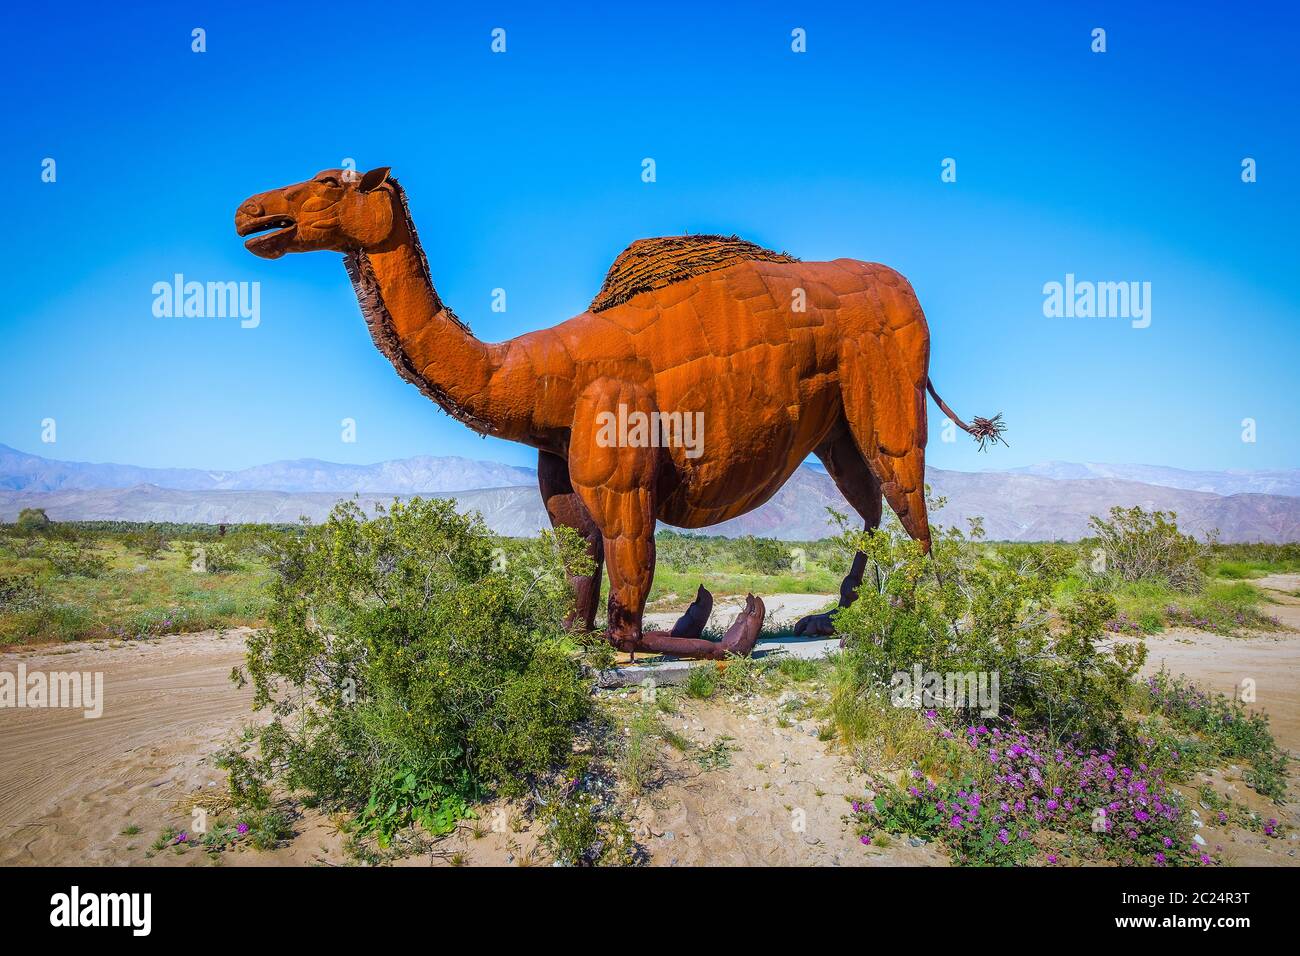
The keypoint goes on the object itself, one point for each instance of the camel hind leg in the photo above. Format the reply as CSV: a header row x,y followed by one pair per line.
x,y
861,489
885,406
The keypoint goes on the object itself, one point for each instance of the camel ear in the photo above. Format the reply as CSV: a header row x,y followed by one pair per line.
x,y
374,179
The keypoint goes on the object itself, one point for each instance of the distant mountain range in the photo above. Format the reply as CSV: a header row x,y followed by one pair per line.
x,y
1052,501
1278,482
23,472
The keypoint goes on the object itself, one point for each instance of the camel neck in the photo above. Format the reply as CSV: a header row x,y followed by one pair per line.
x,y
424,340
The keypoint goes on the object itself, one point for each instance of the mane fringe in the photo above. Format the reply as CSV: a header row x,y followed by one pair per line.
x,y
424,260
379,321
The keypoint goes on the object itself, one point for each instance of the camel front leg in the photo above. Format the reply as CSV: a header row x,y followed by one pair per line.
x,y
566,509
619,484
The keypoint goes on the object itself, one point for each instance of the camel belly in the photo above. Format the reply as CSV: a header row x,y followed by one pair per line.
x,y
682,511
748,444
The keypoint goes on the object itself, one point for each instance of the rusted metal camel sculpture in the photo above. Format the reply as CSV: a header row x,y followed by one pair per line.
x,y
777,358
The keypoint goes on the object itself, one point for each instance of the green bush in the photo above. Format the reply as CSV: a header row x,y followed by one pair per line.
x,y
407,670
579,830
971,610
45,619
72,560
32,521
212,558
764,555
1138,545
19,592
1253,560
681,552
147,542
701,681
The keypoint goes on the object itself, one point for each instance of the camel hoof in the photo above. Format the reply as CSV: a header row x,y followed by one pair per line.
x,y
743,633
815,625
691,624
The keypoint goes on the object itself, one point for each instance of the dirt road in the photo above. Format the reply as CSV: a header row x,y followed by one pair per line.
x,y
1271,661
70,784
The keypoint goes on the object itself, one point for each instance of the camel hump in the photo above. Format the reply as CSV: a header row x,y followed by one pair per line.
x,y
650,264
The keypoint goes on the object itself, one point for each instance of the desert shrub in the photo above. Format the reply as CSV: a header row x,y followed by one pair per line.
x,y
580,830
763,555
1141,545
831,555
32,521
1253,560
212,557
970,612
147,542
72,560
681,552
405,673
1222,606
18,592
741,676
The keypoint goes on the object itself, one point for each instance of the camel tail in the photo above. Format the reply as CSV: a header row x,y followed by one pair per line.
x,y
984,430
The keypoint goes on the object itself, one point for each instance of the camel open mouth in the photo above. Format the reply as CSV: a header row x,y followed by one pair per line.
x,y
268,244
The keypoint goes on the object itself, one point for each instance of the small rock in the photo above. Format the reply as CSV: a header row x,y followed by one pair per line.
x,y
1198,840
915,841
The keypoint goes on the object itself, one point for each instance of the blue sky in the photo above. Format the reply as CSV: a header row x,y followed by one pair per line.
x,y
523,171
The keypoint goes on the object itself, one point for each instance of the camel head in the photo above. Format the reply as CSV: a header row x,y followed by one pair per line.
x,y
335,210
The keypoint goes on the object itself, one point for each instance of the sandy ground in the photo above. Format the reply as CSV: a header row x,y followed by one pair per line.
x,y
70,785
783,801
1270,660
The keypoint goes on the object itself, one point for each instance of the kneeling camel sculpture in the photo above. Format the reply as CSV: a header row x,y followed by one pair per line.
x,y
783,359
